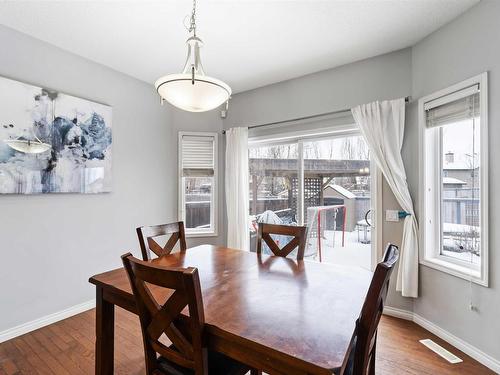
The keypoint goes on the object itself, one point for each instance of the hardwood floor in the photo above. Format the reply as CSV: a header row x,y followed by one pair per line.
x,y
400,352
67,347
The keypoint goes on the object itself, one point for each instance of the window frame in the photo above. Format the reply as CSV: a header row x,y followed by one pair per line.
x,y
430,204
214,202
338,131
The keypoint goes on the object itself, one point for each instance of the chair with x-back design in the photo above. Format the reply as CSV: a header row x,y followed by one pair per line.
x,y
298,241
147,235
188,353
361,359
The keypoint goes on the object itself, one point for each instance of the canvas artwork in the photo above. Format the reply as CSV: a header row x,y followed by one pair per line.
x,y
52,142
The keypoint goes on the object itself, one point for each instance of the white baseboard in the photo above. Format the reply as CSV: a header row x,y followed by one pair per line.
x,y
45,320
473,352
398,313
458,343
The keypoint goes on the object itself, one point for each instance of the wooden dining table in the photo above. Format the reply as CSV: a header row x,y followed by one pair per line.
x,y
275,314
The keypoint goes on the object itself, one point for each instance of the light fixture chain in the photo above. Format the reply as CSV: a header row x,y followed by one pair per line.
x,y
192,26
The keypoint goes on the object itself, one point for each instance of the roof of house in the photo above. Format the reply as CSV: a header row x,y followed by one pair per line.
x,y
457,165
452,180
341,190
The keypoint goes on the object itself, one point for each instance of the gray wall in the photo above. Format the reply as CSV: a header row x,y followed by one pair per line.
x,y
51,244
465,47
383,77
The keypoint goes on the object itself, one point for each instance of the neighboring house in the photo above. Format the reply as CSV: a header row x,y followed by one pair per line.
x,y
460,190
461,170
453,183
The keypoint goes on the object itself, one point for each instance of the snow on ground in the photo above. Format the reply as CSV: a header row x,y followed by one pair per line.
x,y
354,253
465,256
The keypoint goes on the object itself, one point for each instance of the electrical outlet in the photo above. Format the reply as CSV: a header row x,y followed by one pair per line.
x,y
392,215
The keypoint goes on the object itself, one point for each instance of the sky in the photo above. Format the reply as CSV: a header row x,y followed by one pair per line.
x,y
460,139
353,147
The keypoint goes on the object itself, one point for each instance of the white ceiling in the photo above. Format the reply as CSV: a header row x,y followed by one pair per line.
x,y
248,43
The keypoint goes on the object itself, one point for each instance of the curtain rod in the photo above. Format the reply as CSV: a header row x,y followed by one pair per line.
x,y
407,100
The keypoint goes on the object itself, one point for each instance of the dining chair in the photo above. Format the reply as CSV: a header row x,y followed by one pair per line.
x,y
298,241
147,235
362,358
296,267
188,352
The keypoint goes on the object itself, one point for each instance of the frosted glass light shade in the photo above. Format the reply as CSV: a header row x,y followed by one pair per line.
x,y
205,94
28,147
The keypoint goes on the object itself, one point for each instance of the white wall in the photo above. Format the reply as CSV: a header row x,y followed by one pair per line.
x,y
383,77
465,47
52,244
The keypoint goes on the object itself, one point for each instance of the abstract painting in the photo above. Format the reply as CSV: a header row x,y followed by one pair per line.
x,y
52,142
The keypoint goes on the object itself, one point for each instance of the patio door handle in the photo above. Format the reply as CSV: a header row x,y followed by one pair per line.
x,y
366,218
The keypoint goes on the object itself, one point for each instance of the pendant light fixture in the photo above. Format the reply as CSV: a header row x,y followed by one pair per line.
x,y
192,90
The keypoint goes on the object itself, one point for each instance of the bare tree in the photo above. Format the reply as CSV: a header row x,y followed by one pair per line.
x,y
348,149
355,148
312,150
363,151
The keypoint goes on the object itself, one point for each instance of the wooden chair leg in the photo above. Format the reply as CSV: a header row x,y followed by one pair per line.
x,y
371,370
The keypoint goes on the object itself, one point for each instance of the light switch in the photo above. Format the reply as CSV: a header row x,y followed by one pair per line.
x,y
391,215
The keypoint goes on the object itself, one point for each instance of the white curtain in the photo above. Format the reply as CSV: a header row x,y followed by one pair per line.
x,y
382,125
237,188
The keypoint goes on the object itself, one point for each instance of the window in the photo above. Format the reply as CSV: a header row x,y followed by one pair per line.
x,y
198,183
454,184
273,180
324,183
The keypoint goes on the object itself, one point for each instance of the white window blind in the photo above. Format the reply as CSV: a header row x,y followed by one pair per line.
x,y
341,123
197,156
454,107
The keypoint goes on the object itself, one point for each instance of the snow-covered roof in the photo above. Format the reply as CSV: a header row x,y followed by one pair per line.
x,y
341,190
454,181
457,165
459,228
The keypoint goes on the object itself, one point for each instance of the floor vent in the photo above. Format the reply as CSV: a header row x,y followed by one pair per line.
x,y
438,349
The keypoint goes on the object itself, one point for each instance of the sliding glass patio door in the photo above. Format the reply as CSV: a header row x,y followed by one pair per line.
x,y
325,184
